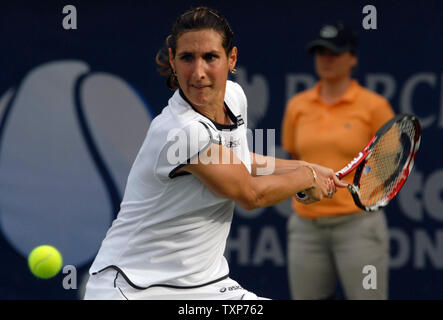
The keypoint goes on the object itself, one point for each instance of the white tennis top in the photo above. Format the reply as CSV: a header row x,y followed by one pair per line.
x,y
171,229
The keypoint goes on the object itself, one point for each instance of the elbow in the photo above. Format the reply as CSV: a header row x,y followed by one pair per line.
x,y
248,205
246,195
250,202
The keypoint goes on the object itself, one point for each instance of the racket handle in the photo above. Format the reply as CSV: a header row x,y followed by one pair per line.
x,y
301,195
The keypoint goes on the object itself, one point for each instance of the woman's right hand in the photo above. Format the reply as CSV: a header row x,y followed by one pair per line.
x,y
325,184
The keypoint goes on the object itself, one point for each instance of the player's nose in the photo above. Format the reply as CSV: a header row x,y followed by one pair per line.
x,y
199,71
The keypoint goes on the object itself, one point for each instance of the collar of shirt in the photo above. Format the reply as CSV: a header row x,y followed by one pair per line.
x,y
183,100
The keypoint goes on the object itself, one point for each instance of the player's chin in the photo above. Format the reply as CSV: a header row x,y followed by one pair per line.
x,y
199,102
199,99
328,75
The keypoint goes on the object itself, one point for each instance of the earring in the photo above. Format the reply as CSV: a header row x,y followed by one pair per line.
x,y
234,71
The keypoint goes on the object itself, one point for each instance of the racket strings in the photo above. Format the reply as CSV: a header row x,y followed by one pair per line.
x,y
383,169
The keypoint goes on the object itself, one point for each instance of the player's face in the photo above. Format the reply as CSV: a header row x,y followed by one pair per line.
x,y
202,66
333,67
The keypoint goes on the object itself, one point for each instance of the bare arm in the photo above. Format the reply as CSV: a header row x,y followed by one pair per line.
x,y
233,181
264,165
268,165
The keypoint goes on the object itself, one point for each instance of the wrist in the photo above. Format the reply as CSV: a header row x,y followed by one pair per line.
x,y
313,173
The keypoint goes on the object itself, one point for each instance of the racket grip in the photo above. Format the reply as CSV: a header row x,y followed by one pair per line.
x,y
301,195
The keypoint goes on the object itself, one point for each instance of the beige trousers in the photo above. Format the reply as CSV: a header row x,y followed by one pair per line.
x,y
323,251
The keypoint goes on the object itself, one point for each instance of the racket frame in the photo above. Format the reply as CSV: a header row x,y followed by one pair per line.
x,y
358,163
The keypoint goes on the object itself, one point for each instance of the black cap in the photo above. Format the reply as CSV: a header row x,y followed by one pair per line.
x,y
336,37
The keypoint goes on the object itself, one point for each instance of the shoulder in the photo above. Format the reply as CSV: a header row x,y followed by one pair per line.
x,y
234,88
377,108
300,99
183,131
234,93
177,114
372,96
236,100
179,125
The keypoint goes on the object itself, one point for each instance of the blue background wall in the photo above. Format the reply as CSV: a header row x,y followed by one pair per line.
x,y
54,188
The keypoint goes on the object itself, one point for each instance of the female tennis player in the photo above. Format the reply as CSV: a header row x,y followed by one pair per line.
x,y
194,165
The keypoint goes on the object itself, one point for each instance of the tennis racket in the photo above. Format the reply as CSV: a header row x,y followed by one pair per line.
x,y
383,166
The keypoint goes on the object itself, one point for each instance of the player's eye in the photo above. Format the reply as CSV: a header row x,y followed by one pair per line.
x,y
210,57
187,57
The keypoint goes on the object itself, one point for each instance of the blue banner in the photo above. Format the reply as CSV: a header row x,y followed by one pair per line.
x,y
79,88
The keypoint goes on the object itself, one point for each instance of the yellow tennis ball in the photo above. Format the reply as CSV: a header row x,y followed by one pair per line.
x,y
45,261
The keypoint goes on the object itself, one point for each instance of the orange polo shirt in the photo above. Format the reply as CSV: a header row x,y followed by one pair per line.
x,y
332,135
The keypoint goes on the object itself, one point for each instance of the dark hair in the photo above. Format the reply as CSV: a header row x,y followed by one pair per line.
x,y
194,19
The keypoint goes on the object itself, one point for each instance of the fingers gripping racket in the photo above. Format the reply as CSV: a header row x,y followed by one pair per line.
x,y
383,166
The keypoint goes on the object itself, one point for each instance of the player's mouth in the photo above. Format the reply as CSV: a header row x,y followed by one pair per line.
x,y
199,87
